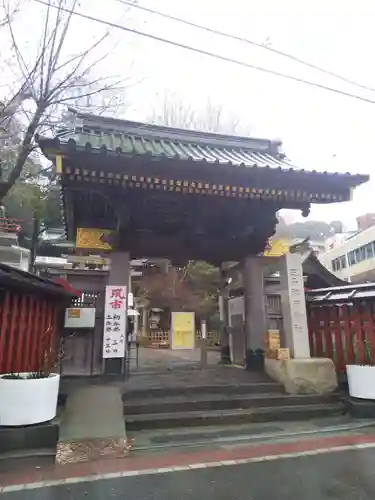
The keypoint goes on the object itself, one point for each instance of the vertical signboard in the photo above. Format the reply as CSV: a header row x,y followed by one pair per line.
x,y
297,305
115,317
183,330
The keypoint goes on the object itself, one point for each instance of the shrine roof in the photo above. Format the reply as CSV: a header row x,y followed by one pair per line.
x,y
12,279
346,293
95,134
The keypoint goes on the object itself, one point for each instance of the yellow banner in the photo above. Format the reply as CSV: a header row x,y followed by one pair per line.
x,y
183,330
277,248
92,239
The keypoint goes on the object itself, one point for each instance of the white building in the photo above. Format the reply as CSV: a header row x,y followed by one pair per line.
x,y
353,257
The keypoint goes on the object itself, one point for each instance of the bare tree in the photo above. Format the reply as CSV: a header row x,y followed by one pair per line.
x,y
44,85
173,111
12,12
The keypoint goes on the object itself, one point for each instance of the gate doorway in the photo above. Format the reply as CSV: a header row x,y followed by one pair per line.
x,y
82,347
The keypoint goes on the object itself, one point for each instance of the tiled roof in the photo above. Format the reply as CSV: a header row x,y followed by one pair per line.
x,y
181,150
13,279
85,132
129,138
341,293
134,138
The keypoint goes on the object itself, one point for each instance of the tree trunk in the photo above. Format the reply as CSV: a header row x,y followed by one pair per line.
x,y
34,244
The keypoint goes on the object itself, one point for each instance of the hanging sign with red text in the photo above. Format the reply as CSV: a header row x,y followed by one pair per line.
x,y
114,333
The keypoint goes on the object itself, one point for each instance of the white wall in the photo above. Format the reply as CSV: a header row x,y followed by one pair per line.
x,y
357,255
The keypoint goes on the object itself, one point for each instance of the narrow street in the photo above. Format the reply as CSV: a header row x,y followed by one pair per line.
x,y
345,475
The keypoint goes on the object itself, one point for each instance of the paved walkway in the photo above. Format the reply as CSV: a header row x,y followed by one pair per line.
x,y
164,368
87,408
156,360
216,376
335,467
92,425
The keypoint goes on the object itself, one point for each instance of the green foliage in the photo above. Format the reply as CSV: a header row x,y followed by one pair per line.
x,y
204,281
34,195
190,288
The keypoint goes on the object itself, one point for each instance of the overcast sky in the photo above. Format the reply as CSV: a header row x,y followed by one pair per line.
x,y
320,130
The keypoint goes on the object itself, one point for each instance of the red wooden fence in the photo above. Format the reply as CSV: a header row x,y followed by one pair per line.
x,y
343,332
28,327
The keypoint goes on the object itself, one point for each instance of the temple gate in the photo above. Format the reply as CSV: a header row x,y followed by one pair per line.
x,y
137,190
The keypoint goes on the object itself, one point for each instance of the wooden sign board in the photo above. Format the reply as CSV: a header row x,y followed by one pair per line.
x,y
92,238
283,353
273,339
272,343
80,317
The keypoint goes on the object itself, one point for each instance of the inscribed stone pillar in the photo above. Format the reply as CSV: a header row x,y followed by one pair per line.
x,y
293,305
144,321
224,318
136,325
255,312
118,276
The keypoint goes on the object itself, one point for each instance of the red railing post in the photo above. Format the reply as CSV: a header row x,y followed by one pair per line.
x,y
29,332
347,326
368,327
22,335
335,332
359,346
4,321
13,340
35,339
320,326
311,326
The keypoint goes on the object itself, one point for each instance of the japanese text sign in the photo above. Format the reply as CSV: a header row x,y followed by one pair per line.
x,y
114,333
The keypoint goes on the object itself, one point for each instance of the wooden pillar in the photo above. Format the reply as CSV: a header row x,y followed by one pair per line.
x,y
349,338
255,312
29,332
35,336
11,353
23,332
118,276
4,321
224,318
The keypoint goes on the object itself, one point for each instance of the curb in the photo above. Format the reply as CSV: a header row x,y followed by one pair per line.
x,y
136,466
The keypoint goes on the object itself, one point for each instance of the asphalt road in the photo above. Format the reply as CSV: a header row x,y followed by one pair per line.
x,y
345,475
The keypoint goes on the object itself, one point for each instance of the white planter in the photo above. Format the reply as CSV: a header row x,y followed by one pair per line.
x,y
28,401
361,381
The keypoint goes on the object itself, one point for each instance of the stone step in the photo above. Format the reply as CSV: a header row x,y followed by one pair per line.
x,y
146,441
208,402
231,416
230,389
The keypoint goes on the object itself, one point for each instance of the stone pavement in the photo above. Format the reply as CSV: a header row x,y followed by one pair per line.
x,y
92,425
335,467
216,376
166,369
156,360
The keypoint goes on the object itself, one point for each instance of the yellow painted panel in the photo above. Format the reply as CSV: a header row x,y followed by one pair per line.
x,y
183,330
277,248
90,239
58,164
74,313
